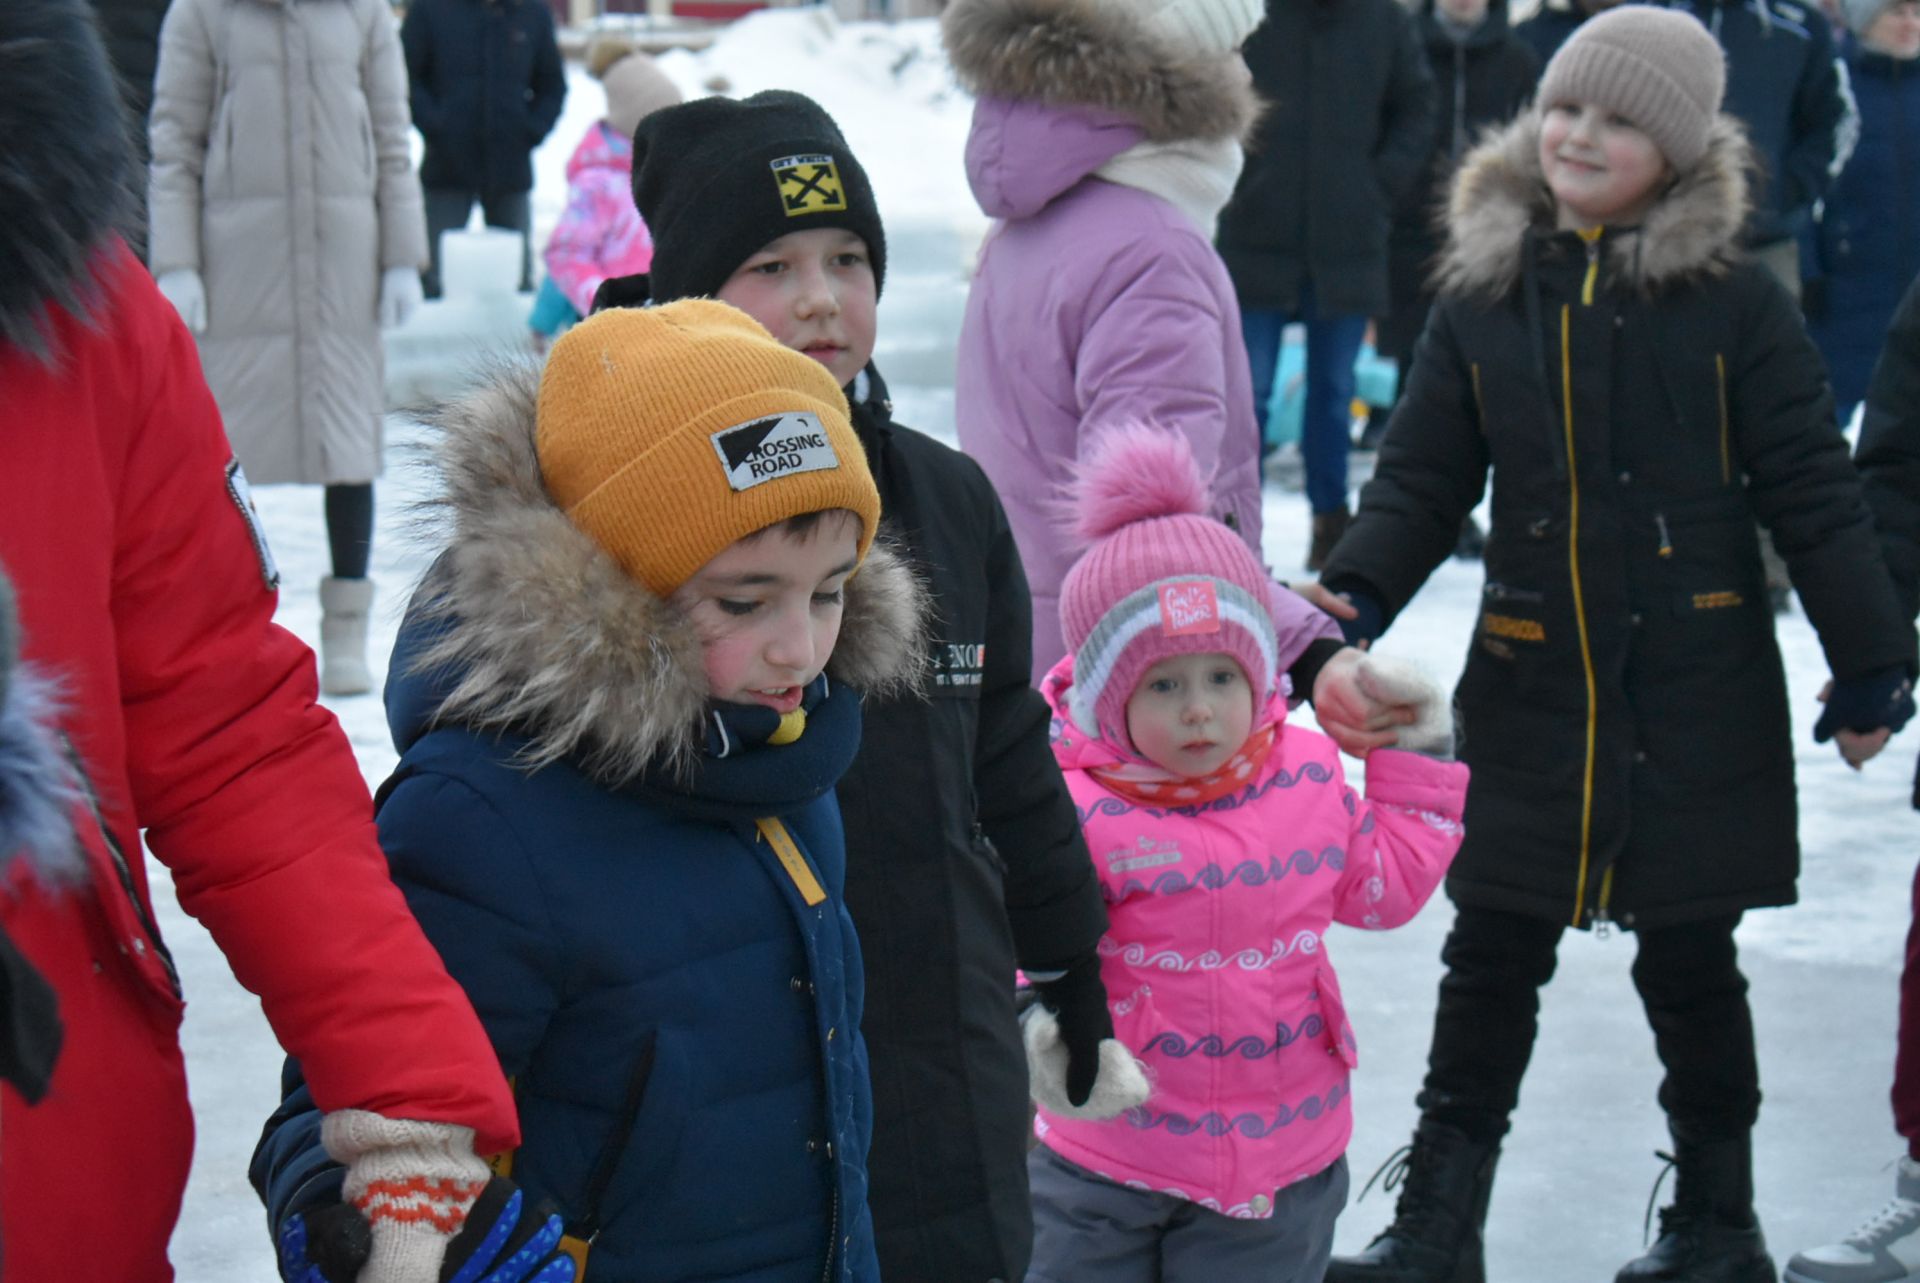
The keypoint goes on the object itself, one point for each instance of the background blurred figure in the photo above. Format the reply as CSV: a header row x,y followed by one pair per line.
x,y
1305,234
131,29
1868,242
601,234
1552,23
286,229
486,85
1483,74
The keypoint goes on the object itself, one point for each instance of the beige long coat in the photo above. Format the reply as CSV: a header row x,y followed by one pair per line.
x,y
281,174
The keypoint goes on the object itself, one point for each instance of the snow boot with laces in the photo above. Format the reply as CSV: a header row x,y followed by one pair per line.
x,y
1445,1179
1709,1233
1886,1249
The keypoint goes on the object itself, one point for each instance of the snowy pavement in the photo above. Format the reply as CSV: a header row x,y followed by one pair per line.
x,y
1578,1167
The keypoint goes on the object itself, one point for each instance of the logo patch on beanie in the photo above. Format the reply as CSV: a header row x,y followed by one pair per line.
x,y
809,185
1188,609
764,450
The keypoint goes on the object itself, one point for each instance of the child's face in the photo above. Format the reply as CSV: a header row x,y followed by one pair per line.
x,y
1896,32
1191,713
814,292
1600,167
768,610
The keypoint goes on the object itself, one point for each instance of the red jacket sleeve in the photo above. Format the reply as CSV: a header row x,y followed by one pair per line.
x,y
250,793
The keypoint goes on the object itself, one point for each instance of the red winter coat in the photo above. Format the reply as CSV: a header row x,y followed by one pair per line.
x,y
142,588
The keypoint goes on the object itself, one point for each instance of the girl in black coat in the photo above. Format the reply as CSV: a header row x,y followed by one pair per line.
x,y
1641,394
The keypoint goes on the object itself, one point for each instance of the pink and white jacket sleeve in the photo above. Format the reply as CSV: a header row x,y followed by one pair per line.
x,y
1403,836
599,235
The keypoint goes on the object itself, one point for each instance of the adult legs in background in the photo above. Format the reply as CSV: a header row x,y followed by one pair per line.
x,y
447,209
1483,1035
1689,980
346,596
1326,426
514,212
1262,329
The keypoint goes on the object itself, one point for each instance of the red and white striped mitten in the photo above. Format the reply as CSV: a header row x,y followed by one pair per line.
x,y
413,1181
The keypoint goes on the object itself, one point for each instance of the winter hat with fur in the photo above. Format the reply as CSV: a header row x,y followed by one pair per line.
x,y
668,433
1160,578
636,88
1203,26
717,178
1659,68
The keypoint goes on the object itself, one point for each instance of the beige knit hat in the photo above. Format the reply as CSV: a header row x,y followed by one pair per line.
x,y
1202,26
636,87
1659,68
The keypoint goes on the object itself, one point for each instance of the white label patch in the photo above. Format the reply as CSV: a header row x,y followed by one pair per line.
x,y
781,445
242,495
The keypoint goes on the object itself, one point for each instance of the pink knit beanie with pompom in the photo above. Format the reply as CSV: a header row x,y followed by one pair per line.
x,y
1159,578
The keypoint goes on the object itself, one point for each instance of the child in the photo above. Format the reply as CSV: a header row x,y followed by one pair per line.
x,y
600,234
622,700
1641,393
1227,842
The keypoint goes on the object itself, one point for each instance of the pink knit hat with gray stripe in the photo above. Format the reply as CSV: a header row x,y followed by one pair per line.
x,y
1160,578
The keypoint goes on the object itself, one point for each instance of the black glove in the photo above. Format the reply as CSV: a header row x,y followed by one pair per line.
x,y
1078,1001
1865,704
326,1245
498,1244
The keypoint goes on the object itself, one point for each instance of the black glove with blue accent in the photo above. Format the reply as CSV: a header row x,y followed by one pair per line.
x,y
1866,704
499,1243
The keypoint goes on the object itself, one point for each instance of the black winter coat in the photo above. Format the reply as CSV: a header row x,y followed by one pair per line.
x,y
486,86
1889,454
1483,80
1348,129
964,856
1783,84
1640,401
1549,28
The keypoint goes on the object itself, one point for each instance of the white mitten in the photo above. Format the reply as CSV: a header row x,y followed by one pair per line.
x,y
400,296
1395,681
188,294
1120,1084
413,1181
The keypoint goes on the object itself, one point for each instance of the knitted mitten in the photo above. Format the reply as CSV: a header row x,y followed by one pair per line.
x,y
414,1182
1395,681
1119,1084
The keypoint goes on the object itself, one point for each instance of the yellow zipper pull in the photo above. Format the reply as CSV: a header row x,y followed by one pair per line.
x,y
1591,235
1666,539
788,853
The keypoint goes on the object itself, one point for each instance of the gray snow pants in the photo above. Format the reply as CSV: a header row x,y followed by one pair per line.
x,y
1090,1230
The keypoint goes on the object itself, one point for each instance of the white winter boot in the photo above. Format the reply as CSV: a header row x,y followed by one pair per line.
x,y
1884,1250
344,604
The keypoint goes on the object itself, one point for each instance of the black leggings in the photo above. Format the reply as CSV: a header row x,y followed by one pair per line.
x,y
350,528
1689,981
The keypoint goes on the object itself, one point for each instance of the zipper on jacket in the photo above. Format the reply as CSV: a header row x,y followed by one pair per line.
x,y
1726,453
1666,539
1603,918
123,871
833,1233
1591,236
1579,607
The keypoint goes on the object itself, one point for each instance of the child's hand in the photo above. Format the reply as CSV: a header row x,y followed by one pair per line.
x,y
1396,684
1357,720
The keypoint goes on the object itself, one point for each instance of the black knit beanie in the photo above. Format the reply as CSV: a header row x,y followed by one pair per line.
x,y
717,178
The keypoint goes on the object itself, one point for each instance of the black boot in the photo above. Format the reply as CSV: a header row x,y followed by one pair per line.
x,y
1709,1233
1435,1235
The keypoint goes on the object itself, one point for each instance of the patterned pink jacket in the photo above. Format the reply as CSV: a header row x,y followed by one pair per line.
x,y
1215,960
600,233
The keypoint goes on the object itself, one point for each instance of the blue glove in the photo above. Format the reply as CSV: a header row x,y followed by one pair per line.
x,y
1864,704
331,1244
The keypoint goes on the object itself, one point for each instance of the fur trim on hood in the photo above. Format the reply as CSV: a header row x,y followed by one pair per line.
x,y
1500,192
544,635
1082,53
67,166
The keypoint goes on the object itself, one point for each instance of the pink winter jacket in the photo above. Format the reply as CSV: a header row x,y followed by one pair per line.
x,y
1215,961
600,234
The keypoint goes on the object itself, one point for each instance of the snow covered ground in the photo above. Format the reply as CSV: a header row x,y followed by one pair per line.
x,y
1578,1167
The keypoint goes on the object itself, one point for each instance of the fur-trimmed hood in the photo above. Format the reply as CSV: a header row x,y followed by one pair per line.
x,y
1082,53
525,624
1500,194
66,170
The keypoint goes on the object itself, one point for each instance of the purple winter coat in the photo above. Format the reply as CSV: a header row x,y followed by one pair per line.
x,y
1094,304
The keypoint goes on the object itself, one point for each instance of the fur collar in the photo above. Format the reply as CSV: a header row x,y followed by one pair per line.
x,y
542,634
66,170
1500,194
1085,53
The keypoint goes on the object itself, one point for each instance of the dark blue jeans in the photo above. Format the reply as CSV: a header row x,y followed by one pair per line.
x,y
1326,427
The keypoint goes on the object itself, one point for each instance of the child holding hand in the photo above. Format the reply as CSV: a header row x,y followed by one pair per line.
x,y
1226,842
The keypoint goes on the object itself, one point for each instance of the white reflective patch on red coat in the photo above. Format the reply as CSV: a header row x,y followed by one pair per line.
x,y
242,495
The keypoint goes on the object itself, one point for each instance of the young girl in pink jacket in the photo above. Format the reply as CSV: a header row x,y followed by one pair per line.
x,y
1227,842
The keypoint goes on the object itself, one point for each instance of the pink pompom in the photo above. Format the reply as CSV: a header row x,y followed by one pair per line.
x,y
1134,472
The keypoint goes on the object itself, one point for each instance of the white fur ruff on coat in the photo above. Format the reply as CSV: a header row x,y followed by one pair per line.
x,y
1120,1084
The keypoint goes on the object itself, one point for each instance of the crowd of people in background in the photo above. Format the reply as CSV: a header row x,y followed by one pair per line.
x,y
770,771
